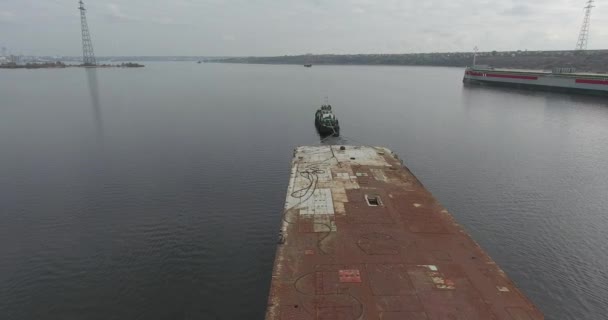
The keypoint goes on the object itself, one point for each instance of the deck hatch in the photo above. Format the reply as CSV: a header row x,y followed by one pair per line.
x,y
373,200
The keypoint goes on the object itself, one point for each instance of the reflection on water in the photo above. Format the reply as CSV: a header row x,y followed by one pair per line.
x,y
175,215
561,97
339,140
95,101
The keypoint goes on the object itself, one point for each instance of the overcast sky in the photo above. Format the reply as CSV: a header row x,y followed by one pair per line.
x,y
277,27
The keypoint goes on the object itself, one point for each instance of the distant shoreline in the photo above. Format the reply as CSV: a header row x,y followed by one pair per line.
x,y
61,65
337,64
584,61
587,61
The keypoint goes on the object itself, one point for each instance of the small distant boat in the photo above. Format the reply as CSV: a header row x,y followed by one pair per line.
x,y
326,122
308,65
199,62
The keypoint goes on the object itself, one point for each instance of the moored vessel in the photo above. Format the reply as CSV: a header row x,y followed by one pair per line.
x,y
326,122
558,79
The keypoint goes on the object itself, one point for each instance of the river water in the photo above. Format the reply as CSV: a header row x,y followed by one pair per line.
x,y
157,193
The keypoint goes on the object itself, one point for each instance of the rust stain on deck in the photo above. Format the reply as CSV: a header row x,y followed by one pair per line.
x,y
363,239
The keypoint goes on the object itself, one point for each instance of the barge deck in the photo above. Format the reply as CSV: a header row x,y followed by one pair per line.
x,y
361,238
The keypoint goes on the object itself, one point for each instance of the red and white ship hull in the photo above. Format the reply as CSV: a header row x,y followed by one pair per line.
x,y
568,82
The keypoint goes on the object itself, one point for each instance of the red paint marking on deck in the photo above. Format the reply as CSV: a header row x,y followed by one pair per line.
x,y
350,276
590,81
511,76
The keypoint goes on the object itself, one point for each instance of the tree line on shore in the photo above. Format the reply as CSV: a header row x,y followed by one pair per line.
x,y
592,61
59,64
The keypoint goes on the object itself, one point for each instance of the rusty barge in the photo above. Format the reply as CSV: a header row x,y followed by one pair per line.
x,y
361,238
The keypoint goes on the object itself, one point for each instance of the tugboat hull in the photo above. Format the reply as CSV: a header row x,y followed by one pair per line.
x,y
327,131
326,122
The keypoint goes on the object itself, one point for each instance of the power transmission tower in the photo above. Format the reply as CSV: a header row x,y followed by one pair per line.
x,y
583,37
88,56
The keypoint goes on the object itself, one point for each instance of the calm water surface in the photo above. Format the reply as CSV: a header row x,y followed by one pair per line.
x,y
157,193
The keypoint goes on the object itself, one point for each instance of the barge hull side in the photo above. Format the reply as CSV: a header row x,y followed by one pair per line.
x,y
568,83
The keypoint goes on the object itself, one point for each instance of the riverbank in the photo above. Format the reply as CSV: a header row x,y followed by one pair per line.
x,y
587,61
61,65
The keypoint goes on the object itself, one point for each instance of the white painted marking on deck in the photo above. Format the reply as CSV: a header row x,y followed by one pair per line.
x,y
343,175
321,203
379,174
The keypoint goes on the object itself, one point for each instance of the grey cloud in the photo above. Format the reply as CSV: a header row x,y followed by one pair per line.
x,y
166,21
518,10
276,27
116,14
7,16
437,33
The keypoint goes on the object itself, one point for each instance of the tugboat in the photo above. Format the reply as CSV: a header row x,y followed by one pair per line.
x,y
326,122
